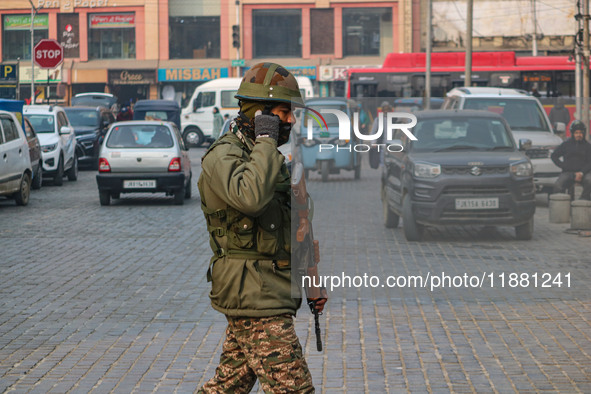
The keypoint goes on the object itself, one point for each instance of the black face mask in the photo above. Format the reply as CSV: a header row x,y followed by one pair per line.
x,y
284,130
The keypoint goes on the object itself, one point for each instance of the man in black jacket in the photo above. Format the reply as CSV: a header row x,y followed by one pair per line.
x,y
575,153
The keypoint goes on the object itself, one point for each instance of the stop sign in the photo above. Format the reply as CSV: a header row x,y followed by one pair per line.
x,y
48,53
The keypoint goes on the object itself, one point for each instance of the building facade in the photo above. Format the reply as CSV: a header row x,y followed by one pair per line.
x,y
138,49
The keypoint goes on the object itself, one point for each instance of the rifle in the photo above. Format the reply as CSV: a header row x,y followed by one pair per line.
x,y
308,255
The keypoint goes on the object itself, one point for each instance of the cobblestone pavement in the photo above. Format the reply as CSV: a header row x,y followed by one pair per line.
x,y
114,299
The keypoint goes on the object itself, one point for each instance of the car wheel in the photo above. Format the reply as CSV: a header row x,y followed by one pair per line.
x,y
58,179
391,220
193,137
525,231
179,196
412,230
22,196
188,191
73,171
324,170
38,178
104,197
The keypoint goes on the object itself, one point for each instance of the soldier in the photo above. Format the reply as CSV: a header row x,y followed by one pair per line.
x,y
245,196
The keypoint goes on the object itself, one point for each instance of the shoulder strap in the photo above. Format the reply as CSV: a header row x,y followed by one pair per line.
x,y
228,138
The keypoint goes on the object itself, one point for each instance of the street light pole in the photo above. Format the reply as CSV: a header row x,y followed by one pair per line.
x,y
427,103
33,13
586,53
468,72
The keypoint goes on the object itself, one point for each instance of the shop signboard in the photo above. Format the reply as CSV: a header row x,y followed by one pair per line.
x,y
305,71
68,28
23,22
41,75
191,74
109,21
336,73
132,77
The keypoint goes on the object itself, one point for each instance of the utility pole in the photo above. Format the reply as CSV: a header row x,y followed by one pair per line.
x,y
468,72
578,60
33,13
534,47
427,103
238,47
585,109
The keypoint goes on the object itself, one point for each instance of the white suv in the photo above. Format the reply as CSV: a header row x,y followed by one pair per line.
x,y
57,139
527,119
15,162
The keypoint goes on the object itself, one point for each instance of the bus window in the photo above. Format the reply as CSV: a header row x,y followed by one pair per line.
x,y
537,81
565,83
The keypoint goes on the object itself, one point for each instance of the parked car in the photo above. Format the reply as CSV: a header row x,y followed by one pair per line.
x,y
90,126
336,154
146,157
464,168
58,141
35,154
16,107
94,99
527,119
165,110
15,170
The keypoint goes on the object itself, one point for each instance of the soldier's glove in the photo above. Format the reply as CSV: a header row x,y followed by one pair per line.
x,y
266,126
318,303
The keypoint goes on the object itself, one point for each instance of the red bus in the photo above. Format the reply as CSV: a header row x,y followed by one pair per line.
x,y
403,74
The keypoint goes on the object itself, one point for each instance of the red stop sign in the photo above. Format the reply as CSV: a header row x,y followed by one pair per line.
x,y
48,53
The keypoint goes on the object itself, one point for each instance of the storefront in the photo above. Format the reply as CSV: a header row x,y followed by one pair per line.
x,y
131,85
178,83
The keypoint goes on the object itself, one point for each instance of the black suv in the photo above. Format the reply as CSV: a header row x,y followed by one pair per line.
x,y
90,125
464,168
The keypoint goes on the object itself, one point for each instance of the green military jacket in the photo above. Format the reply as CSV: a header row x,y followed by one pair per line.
x,y
245,196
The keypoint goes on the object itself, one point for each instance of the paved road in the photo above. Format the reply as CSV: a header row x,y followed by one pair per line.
x,y
114,299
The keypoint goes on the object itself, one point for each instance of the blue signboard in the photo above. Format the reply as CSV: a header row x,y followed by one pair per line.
x,y
8,73
305,71
191,74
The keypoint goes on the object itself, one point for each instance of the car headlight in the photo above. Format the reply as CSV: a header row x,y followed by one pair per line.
x,y
49,148
523,168
426,170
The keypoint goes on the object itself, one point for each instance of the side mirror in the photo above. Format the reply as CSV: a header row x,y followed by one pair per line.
x,y
560,128
524,144
65,130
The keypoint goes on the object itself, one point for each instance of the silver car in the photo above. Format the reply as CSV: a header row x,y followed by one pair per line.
x,y
145,157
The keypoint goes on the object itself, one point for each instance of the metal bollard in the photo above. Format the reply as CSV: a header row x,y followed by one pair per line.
x,y
559,208
581,215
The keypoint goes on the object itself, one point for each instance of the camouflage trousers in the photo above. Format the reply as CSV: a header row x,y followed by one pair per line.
x,y
264,348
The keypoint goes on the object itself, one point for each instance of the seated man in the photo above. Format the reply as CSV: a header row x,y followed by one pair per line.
x,y
574,157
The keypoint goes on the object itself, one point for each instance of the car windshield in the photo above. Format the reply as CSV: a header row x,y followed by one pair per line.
x,y
522,115
79,117
441,134
42,123
140,136
90,99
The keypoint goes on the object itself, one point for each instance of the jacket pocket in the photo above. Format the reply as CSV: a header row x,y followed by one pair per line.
x,y
241,235
269,229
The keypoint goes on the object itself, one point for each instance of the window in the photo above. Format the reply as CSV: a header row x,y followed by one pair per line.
x,y
228,99
205,99
322,31
29,129
111,36
61,121
10,131
194,37
16,35
286,37
367,31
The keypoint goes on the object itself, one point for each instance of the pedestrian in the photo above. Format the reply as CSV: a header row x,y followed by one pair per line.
x,y
218,122
573,156
559,114
245,196
125,114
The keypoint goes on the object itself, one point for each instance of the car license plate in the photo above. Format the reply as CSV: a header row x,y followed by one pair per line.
x,y
140,184
477,203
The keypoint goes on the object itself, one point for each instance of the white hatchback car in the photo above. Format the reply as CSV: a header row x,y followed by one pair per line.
x,y
15,162
142,156
57,139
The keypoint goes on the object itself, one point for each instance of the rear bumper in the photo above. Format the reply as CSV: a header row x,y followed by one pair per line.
x,y
165,182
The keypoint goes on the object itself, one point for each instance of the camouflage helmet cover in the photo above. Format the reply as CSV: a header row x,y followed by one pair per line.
x,y
270,82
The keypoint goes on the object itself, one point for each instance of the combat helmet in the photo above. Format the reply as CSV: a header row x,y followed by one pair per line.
x,y
270,82
577,125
